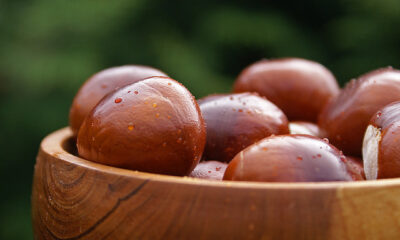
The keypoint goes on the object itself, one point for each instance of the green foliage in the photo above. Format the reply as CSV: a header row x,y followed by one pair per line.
x,y
49,47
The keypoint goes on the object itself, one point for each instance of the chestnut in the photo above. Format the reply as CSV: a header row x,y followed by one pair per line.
x,y
289,158
301,127
154,125
381,145
355,168
235,121
102,83
213,170
299,87
345,119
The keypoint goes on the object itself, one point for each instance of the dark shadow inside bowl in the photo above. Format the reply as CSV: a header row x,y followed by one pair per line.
x,y
69,145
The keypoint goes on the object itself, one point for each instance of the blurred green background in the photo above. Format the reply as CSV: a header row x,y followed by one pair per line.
x,y
49,47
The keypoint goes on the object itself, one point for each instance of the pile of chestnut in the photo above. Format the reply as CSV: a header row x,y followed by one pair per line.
x,y
287,120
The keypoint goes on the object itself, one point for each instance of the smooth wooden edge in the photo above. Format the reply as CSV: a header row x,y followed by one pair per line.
x,y
52,145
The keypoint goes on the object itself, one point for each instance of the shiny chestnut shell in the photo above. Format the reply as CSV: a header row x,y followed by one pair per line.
x,y
381,152
299,87
289,158
154,125
212,170
345,119
235,121
102,83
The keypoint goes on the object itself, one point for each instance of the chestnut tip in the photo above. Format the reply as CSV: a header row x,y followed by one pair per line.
x,y
306,128
212,170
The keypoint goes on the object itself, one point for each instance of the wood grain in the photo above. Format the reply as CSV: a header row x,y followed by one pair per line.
x,y
76,199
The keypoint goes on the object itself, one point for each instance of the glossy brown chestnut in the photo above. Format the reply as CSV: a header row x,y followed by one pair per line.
x,y
289,158
102,83
355,168
213,170
307,128
381,146
154,125
299,87
345,119
236,121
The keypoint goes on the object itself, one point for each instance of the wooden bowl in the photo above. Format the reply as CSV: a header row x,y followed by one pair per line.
x,y
76,199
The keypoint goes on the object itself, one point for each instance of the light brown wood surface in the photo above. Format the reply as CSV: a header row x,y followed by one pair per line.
x,y
76,199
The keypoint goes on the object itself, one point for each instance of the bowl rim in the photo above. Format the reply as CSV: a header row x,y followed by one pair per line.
x,y
53,143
